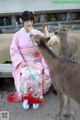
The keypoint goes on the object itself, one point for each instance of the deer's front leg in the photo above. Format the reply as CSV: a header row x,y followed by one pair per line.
x,y
61,105
67,103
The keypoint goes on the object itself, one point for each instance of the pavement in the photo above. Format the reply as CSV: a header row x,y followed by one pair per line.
x,y
46,111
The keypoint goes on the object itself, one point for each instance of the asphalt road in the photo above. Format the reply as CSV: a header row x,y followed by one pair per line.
x,y
46,111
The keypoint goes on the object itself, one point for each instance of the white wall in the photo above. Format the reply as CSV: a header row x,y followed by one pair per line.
x,y
11,6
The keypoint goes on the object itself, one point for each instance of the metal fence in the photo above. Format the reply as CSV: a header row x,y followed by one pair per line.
x,y
53,25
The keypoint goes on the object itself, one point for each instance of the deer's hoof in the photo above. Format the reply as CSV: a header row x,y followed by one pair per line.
x,y
58,117
67,115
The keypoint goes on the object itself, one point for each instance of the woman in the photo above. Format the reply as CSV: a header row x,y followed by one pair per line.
x,y
31,75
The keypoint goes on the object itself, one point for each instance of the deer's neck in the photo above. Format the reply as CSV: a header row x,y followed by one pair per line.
x,y
48,55
64,46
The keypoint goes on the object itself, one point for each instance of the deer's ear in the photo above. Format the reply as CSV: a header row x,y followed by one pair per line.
x,y
31,35
71,27
47,39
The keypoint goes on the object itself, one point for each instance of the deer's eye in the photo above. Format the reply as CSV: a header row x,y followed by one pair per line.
x,y
64,30
36,42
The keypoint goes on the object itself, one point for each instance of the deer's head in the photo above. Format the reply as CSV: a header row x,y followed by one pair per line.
x,y
39,40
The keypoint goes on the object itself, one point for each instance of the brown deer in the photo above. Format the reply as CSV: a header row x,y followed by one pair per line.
x,y
70,40
69,46
65,74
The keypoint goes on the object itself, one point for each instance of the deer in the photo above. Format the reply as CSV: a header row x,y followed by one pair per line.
x,y
64,73
71,41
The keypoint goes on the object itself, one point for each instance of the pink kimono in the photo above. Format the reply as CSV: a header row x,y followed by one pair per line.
x,y
32,80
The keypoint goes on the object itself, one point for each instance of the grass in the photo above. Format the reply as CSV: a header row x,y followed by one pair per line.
x,y
5,54
5,41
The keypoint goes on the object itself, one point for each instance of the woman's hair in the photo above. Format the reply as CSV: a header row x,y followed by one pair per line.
x,y
27,15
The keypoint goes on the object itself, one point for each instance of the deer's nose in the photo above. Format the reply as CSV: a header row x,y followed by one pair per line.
x,y
55,32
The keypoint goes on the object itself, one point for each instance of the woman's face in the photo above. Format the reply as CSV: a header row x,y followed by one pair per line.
x,y
28,23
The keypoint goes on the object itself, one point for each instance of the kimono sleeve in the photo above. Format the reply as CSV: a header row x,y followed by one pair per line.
x,y
15,54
